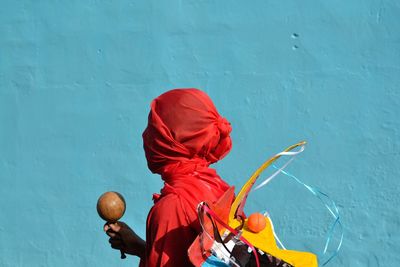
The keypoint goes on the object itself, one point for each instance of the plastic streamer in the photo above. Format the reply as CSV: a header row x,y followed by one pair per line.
x,y
333,210
293,154
323,197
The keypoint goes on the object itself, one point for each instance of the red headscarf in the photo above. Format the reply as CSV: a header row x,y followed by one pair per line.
x,y
185,134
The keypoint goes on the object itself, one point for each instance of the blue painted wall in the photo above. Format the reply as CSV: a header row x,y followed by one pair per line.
x,y
77,77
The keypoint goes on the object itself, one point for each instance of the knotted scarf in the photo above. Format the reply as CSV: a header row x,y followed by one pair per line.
x,y
184,135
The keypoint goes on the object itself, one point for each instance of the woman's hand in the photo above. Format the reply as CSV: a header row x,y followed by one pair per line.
x,y
123,238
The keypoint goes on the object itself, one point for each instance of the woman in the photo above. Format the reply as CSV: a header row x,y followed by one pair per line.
x,y
184,135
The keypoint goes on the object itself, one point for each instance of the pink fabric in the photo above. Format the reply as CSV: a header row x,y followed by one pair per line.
x,y
185,134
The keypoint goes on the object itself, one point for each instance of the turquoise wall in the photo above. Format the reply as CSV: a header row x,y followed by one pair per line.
x,y
77,77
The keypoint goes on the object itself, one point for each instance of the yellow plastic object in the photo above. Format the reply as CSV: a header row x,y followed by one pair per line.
x,y
265,239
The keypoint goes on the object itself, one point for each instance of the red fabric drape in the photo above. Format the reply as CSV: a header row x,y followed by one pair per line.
x,y
184,135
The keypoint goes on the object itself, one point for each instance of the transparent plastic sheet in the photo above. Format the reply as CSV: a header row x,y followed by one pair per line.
x,y
223,246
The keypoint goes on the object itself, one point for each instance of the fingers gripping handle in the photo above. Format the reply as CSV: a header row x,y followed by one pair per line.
x,y
123,256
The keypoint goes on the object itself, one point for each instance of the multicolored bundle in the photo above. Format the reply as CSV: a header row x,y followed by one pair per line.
x,y
229,238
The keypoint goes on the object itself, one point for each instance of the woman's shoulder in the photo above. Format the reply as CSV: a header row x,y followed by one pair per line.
x,y
167,208
170,201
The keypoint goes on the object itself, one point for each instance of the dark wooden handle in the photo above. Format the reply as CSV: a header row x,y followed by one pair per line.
x,y
123,256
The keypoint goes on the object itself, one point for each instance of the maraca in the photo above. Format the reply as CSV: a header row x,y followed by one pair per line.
x,y
111,207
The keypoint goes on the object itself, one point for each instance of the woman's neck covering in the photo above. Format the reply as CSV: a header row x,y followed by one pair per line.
x,y
184,135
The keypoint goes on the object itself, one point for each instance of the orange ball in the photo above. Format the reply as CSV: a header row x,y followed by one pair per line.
x,y
256,222
111,206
